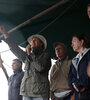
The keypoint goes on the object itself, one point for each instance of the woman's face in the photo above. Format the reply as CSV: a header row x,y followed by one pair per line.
x,y
88,11
77,44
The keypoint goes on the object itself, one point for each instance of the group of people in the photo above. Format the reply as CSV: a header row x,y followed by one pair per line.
x,y
69,78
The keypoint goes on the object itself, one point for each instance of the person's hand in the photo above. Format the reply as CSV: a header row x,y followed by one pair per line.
x,y
83,89
1,62
3,31
28,49
75,87
88,69
72,97
52,98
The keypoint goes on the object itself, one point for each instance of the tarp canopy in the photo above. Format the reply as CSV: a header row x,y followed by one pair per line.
x,y
57,26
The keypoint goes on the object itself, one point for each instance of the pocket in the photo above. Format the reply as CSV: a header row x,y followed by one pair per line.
x,y
40,88
35,88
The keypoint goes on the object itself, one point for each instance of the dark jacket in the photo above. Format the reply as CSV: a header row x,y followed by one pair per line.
x,y
78,74
35,82
14,83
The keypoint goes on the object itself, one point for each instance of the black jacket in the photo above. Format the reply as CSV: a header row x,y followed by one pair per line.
x,y
79,76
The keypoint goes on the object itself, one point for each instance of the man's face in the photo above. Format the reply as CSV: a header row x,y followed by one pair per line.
x,y
88,11
15,65
36,43
60,51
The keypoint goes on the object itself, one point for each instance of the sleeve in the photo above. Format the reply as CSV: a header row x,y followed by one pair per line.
x,y
5,72
71,77
43,62
15,49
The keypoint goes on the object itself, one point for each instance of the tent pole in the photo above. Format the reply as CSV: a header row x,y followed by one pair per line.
x,y
37,16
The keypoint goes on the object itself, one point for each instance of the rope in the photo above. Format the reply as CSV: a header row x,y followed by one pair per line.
x,y
4,51
7,65
53,20
57,17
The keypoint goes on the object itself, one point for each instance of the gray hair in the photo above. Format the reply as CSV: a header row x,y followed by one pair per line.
x,y
59,43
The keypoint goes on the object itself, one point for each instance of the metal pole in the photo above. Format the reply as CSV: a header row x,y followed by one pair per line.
x,y
37,16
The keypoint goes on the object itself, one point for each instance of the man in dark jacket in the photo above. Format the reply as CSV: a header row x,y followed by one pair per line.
x,y
35,83
14,81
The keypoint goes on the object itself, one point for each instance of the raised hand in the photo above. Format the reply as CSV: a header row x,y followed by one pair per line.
x,y
28,49
3,31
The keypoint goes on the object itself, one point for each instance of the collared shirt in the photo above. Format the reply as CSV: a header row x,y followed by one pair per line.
x,y
83,53
61,60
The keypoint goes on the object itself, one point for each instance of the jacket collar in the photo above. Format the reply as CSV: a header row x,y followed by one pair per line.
x,y
60,61
18,70
36,51
80,57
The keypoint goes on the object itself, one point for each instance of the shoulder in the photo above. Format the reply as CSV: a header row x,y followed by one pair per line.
x,y
55,65
87,54
88,51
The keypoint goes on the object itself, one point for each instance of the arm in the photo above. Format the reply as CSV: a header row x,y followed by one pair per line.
x,y
18,52
13,46
3,68
4,32
28,49
52,82
5,72
71,78
75,83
